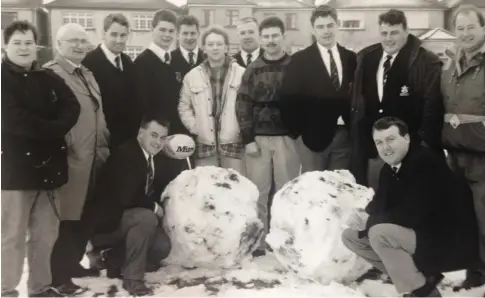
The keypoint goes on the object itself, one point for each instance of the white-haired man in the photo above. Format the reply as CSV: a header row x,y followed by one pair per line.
x,y
87,150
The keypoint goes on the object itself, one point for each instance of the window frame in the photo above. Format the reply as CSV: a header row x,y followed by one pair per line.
x,y
15,15
133,51
138,18
289,21
209,16
75,17
232,19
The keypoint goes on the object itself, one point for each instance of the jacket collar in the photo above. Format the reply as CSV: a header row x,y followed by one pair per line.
x,y
18,69
413,43
68,65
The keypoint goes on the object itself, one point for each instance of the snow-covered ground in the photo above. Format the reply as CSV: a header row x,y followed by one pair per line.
x,y
260,277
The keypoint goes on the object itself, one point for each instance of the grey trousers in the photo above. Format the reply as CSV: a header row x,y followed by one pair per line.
x,y
144,241
389,248
224,162
374,168
28,212
472,166
336,156
279,161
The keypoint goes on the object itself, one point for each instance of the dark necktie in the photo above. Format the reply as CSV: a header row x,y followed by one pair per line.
x,y
387,67
191,59
150,176
333,71
118,63
167,58
80,74
395,169
249,59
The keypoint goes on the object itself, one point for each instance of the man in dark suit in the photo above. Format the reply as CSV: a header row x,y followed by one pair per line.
x,y
396,77
128,193
188,55
316,103
247,31
113,71
155,82
421,221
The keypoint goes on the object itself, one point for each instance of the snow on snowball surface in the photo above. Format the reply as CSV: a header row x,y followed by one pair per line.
x,y
309,215
211,218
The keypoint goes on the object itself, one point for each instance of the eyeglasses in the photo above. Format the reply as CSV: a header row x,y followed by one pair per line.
x,y
77,41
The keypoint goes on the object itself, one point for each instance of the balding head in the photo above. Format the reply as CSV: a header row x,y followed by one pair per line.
x,y
72,42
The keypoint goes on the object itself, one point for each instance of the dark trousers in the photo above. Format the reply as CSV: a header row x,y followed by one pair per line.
x,y
144,243
68,251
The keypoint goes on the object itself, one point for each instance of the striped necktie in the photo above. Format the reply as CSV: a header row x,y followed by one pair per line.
x,y
334,71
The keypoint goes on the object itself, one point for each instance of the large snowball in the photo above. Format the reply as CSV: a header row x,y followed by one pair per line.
x,y
308,217
211,218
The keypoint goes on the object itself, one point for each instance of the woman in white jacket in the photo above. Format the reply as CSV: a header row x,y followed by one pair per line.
x,y
207,104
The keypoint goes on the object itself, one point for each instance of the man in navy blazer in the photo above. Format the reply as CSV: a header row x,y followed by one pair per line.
x,y
316,96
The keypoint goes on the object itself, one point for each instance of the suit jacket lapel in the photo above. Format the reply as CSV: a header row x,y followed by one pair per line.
x,y
200,57
319,64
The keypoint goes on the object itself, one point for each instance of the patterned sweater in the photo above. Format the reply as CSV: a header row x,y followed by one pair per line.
x,y
258,97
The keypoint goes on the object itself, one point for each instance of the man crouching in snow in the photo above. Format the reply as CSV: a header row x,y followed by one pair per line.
x,y
420,222
128,209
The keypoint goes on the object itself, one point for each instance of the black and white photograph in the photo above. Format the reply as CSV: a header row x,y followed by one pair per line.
x,y
243,148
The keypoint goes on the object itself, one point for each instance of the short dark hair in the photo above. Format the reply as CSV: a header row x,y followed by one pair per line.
x,y
115,18
245,20
21,26
394,17
271,22
467,9
216,29
187,20
386,122
323,11
148,118
164,15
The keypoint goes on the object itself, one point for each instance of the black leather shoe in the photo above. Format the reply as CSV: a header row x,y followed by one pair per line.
x,y
371,274
429,289
258,253
69,289
50,292
112,269
474,279
136,287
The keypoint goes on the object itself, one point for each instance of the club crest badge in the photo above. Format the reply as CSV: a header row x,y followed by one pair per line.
x,y
178,76
404,91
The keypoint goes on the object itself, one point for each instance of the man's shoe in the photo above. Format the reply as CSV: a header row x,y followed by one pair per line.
x,y
70,289
136,287
429,289
81,272
474,279
50,292
12,293
258,253
371,274
95,259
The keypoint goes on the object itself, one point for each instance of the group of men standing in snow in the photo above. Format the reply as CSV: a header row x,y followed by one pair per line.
x,y
78,166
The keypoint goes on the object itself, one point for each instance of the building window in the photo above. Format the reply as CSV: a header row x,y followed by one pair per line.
x,y
290,23
268,14
82,18
133,51
208,17
350,24
8,18
142,22
232,17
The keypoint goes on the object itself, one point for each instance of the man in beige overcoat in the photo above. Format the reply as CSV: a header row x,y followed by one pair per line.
x,y
87,150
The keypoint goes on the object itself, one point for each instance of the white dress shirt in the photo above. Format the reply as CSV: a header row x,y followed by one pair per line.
x,y
254,55
185,53
159,52
380,73
111,56
338,62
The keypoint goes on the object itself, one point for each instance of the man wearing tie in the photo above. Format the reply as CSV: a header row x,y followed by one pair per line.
x,y
316,103
155,83
129,208
113,71
396,77
247,30
188,55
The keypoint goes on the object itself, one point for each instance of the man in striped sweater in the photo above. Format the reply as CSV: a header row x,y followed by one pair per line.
x,y
270,151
